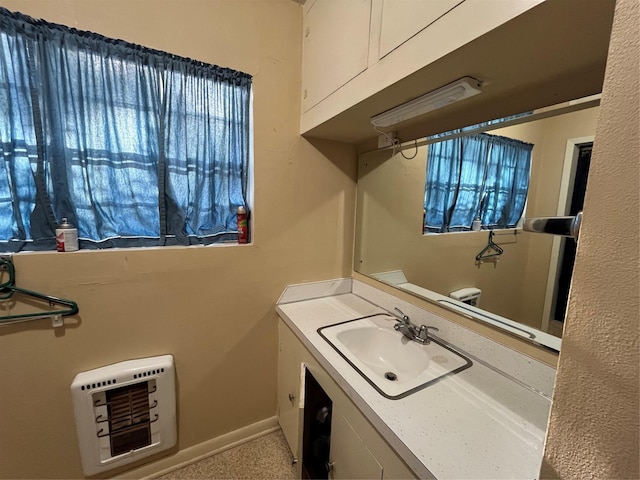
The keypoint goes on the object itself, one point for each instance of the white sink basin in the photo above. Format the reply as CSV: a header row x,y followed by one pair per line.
x,y
390,362
383,350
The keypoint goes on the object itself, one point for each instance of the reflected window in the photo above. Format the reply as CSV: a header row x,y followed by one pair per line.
x,y
476,177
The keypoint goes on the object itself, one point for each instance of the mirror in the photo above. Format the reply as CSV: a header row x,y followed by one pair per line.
x,y
523,290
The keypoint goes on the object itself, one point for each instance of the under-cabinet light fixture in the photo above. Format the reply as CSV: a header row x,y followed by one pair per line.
x,y
453,92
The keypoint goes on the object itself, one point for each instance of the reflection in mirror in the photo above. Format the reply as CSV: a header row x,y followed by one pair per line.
x,y
523,288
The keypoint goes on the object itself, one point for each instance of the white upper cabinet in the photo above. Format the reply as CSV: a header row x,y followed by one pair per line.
x,y
402,19
335,46
355,49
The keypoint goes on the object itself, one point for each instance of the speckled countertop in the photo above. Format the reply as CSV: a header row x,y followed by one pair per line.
x,y
488,421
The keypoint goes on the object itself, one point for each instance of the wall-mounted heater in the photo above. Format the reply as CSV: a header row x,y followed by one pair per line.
x,y
124,412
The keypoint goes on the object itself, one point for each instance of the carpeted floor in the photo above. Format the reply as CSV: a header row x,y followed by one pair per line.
x,y
265,458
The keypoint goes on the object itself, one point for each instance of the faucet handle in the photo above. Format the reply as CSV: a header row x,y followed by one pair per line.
x,y
405,318
423,333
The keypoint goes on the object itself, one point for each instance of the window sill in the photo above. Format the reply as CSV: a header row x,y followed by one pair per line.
x,y
498,231
125,249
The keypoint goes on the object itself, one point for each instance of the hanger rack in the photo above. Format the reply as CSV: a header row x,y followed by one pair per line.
x,y
491,251
8,288
505,233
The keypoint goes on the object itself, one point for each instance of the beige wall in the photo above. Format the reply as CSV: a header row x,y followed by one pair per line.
x,y
390,198
594,426
213,307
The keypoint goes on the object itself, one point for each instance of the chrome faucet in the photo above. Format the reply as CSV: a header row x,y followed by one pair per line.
x,y
403,318
413,332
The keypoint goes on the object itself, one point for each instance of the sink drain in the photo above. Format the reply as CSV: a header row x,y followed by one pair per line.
x,y
390,376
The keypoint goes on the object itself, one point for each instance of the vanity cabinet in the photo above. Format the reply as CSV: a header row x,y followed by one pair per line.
x,y
290,374
349,456
357,450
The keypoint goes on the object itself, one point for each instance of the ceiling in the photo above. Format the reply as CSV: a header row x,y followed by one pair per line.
x,y
552,53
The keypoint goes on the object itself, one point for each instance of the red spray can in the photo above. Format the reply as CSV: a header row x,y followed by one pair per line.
x,y
243,225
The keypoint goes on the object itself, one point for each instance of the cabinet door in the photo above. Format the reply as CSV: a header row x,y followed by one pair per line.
x,y
402,19
289,381
349,457
335,46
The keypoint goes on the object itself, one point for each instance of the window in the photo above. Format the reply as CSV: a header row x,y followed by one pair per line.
x,y
136,147
476,176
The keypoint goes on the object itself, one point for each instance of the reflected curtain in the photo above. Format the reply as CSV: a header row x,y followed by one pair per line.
x,y
480,175
507,182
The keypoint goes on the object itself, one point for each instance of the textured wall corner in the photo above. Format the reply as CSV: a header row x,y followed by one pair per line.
x,y
594,424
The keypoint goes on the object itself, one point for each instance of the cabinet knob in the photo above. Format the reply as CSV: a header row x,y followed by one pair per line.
x,y
329,465
292,397
307,32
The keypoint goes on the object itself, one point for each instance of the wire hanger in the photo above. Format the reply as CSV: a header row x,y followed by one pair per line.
x,y
8,288
492,250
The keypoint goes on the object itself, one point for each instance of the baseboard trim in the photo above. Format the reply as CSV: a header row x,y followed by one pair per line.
x,y
203,450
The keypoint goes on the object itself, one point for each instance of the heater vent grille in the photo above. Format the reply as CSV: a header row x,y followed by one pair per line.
x,y
125,412
128,417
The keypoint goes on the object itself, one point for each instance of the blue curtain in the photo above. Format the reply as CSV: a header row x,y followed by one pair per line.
x,y
481,175
207,160
17,139
136,147
100,110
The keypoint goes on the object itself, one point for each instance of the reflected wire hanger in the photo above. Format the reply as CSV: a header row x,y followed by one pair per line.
x,y
492,250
